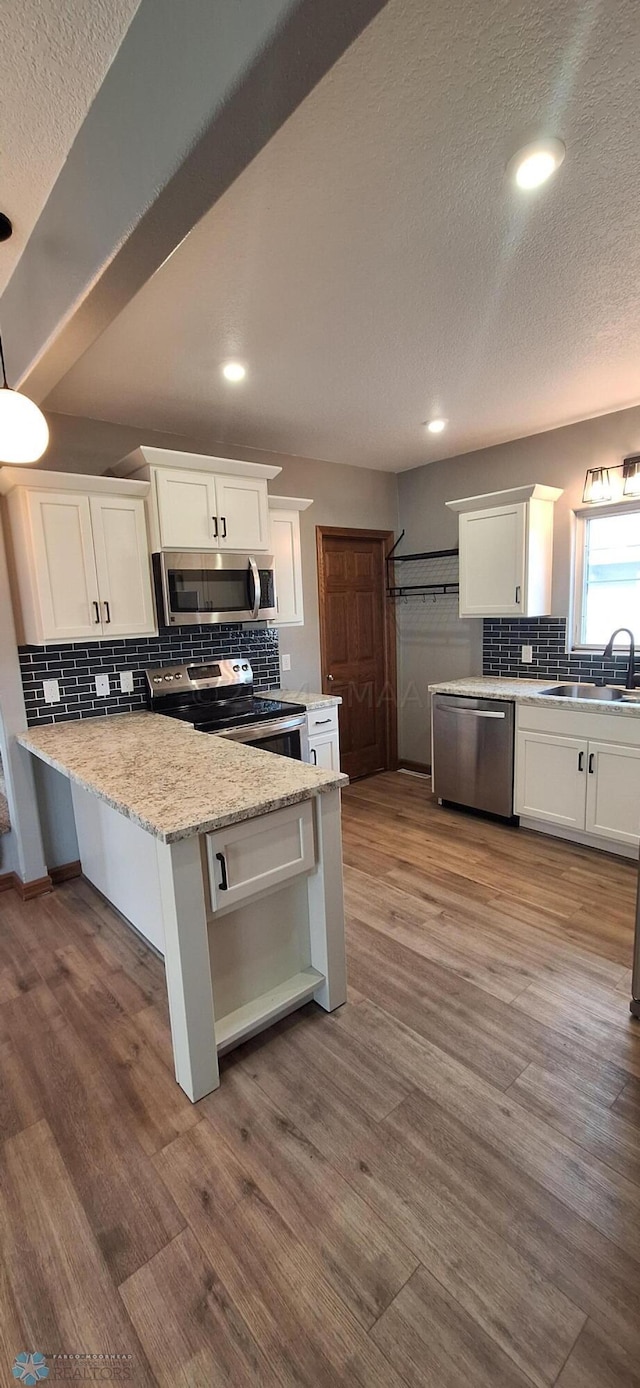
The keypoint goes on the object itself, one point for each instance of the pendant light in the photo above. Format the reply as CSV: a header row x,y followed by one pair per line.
x,y
24,432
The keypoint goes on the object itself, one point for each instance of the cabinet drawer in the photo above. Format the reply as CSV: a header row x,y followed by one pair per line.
x,y
322,720
258,853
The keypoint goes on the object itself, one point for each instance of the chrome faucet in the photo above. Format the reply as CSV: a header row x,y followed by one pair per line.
x,y
607,654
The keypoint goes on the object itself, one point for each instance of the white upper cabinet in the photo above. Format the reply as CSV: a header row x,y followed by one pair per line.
x,y
286,550
65,604
122,562
242,509
204,503
506,548
186,510
81,563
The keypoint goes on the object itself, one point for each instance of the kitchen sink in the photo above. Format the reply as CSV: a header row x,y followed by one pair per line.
x,y
605,694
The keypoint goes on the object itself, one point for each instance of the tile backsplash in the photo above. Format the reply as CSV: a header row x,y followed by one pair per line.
x,y
503,638
76,666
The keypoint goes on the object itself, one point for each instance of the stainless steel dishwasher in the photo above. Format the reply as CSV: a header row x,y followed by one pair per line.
x,y
472,752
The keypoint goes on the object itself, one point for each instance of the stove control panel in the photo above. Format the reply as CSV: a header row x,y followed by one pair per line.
x,y
210,674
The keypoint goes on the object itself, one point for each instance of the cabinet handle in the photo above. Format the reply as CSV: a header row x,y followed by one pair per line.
x,y
314,755
107,613
97,612
224,884
320,722
580,761
592,757
215,522
518,591
224,527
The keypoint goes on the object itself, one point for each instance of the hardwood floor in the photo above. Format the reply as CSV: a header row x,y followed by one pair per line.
x,y
437,1185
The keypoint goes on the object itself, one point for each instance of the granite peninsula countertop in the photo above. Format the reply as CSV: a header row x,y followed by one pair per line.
x,y
532,692
170,779
302,696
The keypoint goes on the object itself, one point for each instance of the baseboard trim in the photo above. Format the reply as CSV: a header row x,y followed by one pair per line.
x,y
65,872
25,890
558,831
420,767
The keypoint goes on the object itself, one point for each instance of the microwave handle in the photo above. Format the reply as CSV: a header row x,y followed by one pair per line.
x,y
257,593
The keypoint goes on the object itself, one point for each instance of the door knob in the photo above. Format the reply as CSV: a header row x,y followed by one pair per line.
x,y
330,677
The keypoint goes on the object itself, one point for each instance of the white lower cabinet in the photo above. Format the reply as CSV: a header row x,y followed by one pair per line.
x,y
258,853
584,786
323,738
613,792
551,779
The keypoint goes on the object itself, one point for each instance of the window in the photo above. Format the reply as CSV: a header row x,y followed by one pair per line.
x,y
608,586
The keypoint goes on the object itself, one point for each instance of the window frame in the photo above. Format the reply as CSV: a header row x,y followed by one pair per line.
x,y
580,518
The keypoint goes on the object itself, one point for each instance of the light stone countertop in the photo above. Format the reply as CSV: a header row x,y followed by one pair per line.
x,y
531,692
170,779
302,696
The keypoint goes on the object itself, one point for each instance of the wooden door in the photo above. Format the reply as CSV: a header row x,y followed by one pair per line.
x,y
64,566
551,776
122,559
242,508
492,562
357,644
613,792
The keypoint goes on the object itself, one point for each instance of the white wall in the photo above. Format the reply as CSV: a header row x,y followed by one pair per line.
x,y
442,647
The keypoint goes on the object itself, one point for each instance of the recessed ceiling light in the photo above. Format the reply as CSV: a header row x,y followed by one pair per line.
x,y
435,426
234,371
536,163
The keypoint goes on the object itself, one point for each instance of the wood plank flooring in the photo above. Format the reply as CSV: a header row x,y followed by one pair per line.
x,y
437,1185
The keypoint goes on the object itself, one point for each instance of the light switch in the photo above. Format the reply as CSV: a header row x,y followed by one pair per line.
x,y
126,681
103,688
286,662
51,691
527,655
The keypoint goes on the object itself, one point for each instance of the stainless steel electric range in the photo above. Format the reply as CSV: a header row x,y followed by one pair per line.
x,y
217,697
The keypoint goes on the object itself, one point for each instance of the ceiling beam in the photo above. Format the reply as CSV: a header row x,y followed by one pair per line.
x,y
194,93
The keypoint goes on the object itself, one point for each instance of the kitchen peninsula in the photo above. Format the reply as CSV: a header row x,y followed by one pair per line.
x,y
226,858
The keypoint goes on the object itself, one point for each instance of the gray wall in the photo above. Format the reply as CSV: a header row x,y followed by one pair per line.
x,y
433,644
341,496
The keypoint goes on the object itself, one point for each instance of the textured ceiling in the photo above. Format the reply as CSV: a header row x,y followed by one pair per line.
x,y
373,266
53,57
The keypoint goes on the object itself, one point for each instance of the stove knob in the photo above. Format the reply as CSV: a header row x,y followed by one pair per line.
x,y
236,667
177,677
245,667
168,677
157,679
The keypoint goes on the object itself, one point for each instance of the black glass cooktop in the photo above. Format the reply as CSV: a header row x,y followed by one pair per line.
x,y
231,713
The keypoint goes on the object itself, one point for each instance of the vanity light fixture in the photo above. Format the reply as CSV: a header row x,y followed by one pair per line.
x,y
535,163
435,426
599,487
24,432
631,474
234,371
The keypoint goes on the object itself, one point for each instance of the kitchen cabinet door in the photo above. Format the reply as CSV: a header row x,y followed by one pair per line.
x,y
285,547
187,509
613,792
551,776
242,509
493,561
324,751
63,568
122,561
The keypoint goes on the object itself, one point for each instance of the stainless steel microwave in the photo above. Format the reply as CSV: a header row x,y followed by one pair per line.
x,y
215,587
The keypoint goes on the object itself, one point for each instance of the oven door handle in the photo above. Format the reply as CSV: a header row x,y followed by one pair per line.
x,y
254,732
257,592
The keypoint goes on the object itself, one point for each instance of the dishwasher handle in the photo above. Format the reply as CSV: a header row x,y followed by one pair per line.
x,y
478,713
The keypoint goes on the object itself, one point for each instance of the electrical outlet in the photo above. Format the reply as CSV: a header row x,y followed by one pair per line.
x,y
51,691
103,688
286,662
126,681
527,655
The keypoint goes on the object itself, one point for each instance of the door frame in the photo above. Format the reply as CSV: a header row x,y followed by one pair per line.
x,y
386,540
